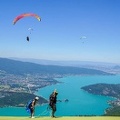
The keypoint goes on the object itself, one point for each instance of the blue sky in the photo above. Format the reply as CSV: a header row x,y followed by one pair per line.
x,y
57,35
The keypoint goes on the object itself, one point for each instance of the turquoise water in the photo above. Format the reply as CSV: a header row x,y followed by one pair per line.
x,y
80,102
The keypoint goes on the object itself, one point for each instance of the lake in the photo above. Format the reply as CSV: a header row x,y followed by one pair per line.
x,y
80,102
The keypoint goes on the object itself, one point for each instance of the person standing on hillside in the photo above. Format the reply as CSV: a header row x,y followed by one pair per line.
x,y
32,106
52,102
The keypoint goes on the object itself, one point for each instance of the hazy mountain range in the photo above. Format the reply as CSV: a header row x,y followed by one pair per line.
x,y
19,67
64,63
107,67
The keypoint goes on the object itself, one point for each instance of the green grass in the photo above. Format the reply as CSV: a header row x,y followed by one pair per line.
x,y
61,118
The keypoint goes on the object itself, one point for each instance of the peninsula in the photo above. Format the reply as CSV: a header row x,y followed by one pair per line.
x,y
112,90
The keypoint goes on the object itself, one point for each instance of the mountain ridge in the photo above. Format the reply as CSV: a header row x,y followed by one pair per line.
x,y
19,67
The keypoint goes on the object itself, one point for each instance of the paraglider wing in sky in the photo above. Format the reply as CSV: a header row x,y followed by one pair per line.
x,y
83,37
30,29
26,15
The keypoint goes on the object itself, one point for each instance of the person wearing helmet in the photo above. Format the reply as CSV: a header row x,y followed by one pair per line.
x,y
32,106
53,101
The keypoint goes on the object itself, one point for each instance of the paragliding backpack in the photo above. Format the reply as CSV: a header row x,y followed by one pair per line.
x,y
28,105
51,99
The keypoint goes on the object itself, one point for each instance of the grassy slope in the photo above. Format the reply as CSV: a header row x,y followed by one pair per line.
x,y
62,118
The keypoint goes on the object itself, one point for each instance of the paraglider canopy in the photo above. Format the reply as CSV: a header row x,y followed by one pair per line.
x,y
83,37
26,15
30,30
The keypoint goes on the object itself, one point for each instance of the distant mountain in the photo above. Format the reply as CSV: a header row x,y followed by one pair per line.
x,y
21,68
103,66
64,63
116,67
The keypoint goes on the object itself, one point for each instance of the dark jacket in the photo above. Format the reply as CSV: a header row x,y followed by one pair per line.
x,y
52,99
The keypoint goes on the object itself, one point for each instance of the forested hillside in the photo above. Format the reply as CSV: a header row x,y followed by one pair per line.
x,y
21,68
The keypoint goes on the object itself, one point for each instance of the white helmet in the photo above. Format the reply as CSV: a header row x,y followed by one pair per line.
x,y
36,98
55,91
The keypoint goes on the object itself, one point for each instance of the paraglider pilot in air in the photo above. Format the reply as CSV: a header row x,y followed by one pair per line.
x,y
52,102
27,38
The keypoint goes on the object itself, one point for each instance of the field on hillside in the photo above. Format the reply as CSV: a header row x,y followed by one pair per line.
x,y
61,118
